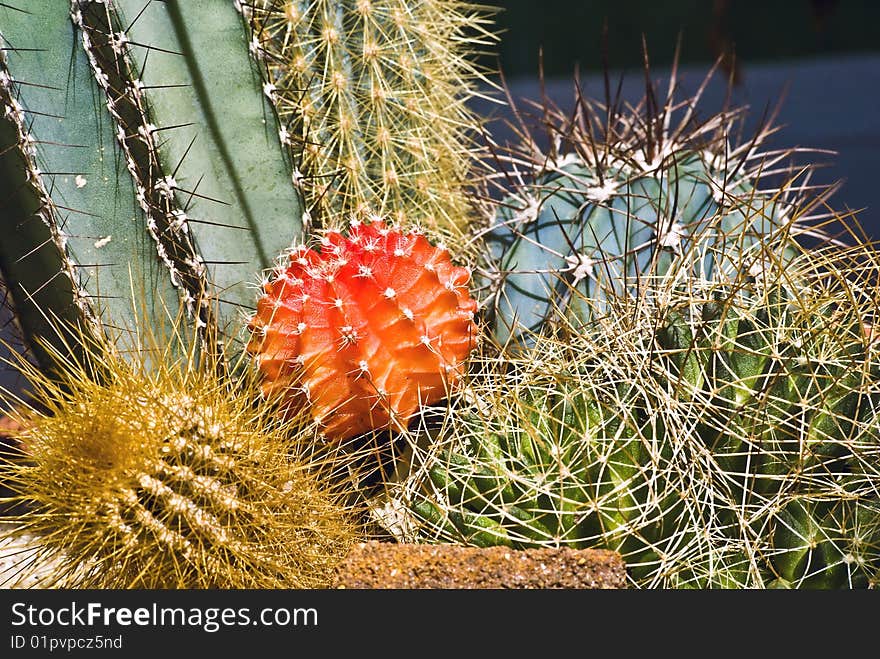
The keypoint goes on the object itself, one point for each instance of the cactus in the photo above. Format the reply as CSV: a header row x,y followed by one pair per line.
x,y
374,96
717,436
163,475
141,156
620,194
368,329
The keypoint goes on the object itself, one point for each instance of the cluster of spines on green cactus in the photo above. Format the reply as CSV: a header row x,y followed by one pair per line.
x,y
374,96
597,158
106,49
723,437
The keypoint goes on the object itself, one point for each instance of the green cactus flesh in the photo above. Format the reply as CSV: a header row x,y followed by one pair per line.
x,y
617,199
75,240
135,180
721,440
375,96
213,143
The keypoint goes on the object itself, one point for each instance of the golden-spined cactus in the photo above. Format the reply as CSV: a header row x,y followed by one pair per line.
x,y
150,471
374,95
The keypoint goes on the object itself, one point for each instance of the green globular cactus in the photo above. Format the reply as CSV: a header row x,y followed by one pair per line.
x,y
621,194
719,437
142,163
165,475
374,96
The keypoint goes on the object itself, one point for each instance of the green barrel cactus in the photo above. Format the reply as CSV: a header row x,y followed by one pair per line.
x,y
142,164
718,437
618,196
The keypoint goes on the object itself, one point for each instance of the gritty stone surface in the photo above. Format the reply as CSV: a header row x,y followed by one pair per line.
x,y
390,565
21,566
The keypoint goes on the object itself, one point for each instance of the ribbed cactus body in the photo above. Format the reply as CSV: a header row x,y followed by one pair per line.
x,y
75,240
163,476
376,324
573,234
143,163
722,439
374,93
614,196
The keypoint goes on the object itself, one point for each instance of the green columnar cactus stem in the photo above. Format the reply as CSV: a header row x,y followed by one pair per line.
x,y
375,94
717,435
74,237
134,181
213,150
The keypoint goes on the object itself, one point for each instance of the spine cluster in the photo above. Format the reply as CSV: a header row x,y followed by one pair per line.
x,y
374,96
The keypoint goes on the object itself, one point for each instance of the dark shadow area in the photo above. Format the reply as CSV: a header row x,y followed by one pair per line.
x,y
757,32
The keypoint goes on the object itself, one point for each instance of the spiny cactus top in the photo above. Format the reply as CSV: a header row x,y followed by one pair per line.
x,y
622,194
375,324
374,95
164,475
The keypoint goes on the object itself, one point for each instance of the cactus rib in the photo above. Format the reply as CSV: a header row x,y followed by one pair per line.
x,y
213,134
75,238
374,96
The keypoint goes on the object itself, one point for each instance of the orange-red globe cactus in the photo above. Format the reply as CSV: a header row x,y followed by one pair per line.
x,y
364,331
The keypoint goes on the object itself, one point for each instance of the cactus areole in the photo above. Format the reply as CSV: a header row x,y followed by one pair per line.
x,y
364,331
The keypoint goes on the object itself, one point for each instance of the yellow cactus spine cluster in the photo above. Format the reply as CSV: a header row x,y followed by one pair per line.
x,y
374,96
151,471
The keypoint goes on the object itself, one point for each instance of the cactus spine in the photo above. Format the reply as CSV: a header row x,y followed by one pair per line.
x,y
717,437
621,194
374,94
163,475
167,167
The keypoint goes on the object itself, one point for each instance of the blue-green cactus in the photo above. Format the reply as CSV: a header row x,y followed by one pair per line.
x,y
143,163
617,199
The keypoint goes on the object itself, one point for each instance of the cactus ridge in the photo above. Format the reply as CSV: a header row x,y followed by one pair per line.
x,y
373,94
605,195
164,476
142,176
717,436
166,222
365,331
195,151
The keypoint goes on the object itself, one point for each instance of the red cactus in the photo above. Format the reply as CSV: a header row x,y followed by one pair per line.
x,y
365,331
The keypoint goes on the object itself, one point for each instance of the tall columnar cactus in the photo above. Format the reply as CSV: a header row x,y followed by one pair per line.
x,y
615,196
374,95
140,160
717,437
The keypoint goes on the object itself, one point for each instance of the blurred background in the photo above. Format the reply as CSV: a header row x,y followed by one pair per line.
x,y
822,57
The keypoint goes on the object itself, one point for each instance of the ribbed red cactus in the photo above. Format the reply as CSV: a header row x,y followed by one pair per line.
x,y
365,330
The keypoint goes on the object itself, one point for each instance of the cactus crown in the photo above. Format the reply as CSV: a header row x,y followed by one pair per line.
x,y
365,331
608,195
